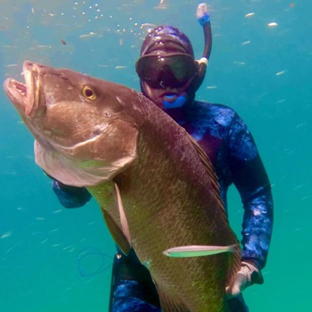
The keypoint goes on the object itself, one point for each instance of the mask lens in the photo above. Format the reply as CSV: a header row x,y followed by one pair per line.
x,y
166,71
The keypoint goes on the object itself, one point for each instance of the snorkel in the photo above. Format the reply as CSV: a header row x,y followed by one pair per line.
x,y
174,101
204,20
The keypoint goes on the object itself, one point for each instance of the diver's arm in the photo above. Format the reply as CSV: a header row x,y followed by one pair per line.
x,y
251,180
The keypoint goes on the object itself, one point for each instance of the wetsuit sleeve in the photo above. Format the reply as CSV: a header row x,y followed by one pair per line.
x,y
251,180
70,196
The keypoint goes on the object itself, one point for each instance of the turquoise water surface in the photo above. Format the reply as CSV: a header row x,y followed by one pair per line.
x,y
55,260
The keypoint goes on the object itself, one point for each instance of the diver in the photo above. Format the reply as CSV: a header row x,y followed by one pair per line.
x,y
170,76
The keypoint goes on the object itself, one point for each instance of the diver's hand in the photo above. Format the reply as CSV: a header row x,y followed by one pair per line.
x,y
71,196
245,277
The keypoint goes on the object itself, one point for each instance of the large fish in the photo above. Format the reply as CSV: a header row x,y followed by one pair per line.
x,y
155,186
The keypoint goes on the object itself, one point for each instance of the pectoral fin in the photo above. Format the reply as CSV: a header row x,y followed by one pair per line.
x,y
122,215
116,232
197,251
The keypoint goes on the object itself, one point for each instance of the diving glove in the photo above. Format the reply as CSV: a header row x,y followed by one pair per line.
x,y
248,275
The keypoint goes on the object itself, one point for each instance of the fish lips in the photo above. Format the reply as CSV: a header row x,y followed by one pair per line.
x,y
25,97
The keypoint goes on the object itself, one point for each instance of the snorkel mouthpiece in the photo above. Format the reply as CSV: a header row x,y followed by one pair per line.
x,y
174,101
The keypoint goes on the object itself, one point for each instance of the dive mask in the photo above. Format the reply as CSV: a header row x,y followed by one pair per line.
x,y
167,70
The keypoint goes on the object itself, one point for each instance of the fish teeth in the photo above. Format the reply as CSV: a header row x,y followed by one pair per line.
x,y
21,92
20,87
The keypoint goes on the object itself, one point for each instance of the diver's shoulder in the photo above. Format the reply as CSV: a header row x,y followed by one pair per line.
x,y
215,106
221,113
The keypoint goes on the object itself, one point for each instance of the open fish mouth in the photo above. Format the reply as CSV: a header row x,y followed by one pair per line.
x,y
25,96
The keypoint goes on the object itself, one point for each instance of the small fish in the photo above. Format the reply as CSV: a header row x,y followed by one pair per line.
x,y
273,24
148,25
250,14
280,73
89,35
63,42
5,235
120,67
197,251
246,42
43,46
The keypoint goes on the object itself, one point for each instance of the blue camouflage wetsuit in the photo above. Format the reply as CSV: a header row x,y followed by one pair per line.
x,y
226,139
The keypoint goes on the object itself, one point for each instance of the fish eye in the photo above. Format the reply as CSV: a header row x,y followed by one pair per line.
x,y
88,93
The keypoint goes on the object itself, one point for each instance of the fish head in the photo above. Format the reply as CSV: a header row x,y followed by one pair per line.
x,y
85,128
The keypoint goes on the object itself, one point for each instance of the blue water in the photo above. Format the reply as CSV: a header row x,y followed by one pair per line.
x,y
262,71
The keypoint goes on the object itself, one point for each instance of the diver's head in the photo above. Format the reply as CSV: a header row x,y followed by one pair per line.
x,y
169,74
